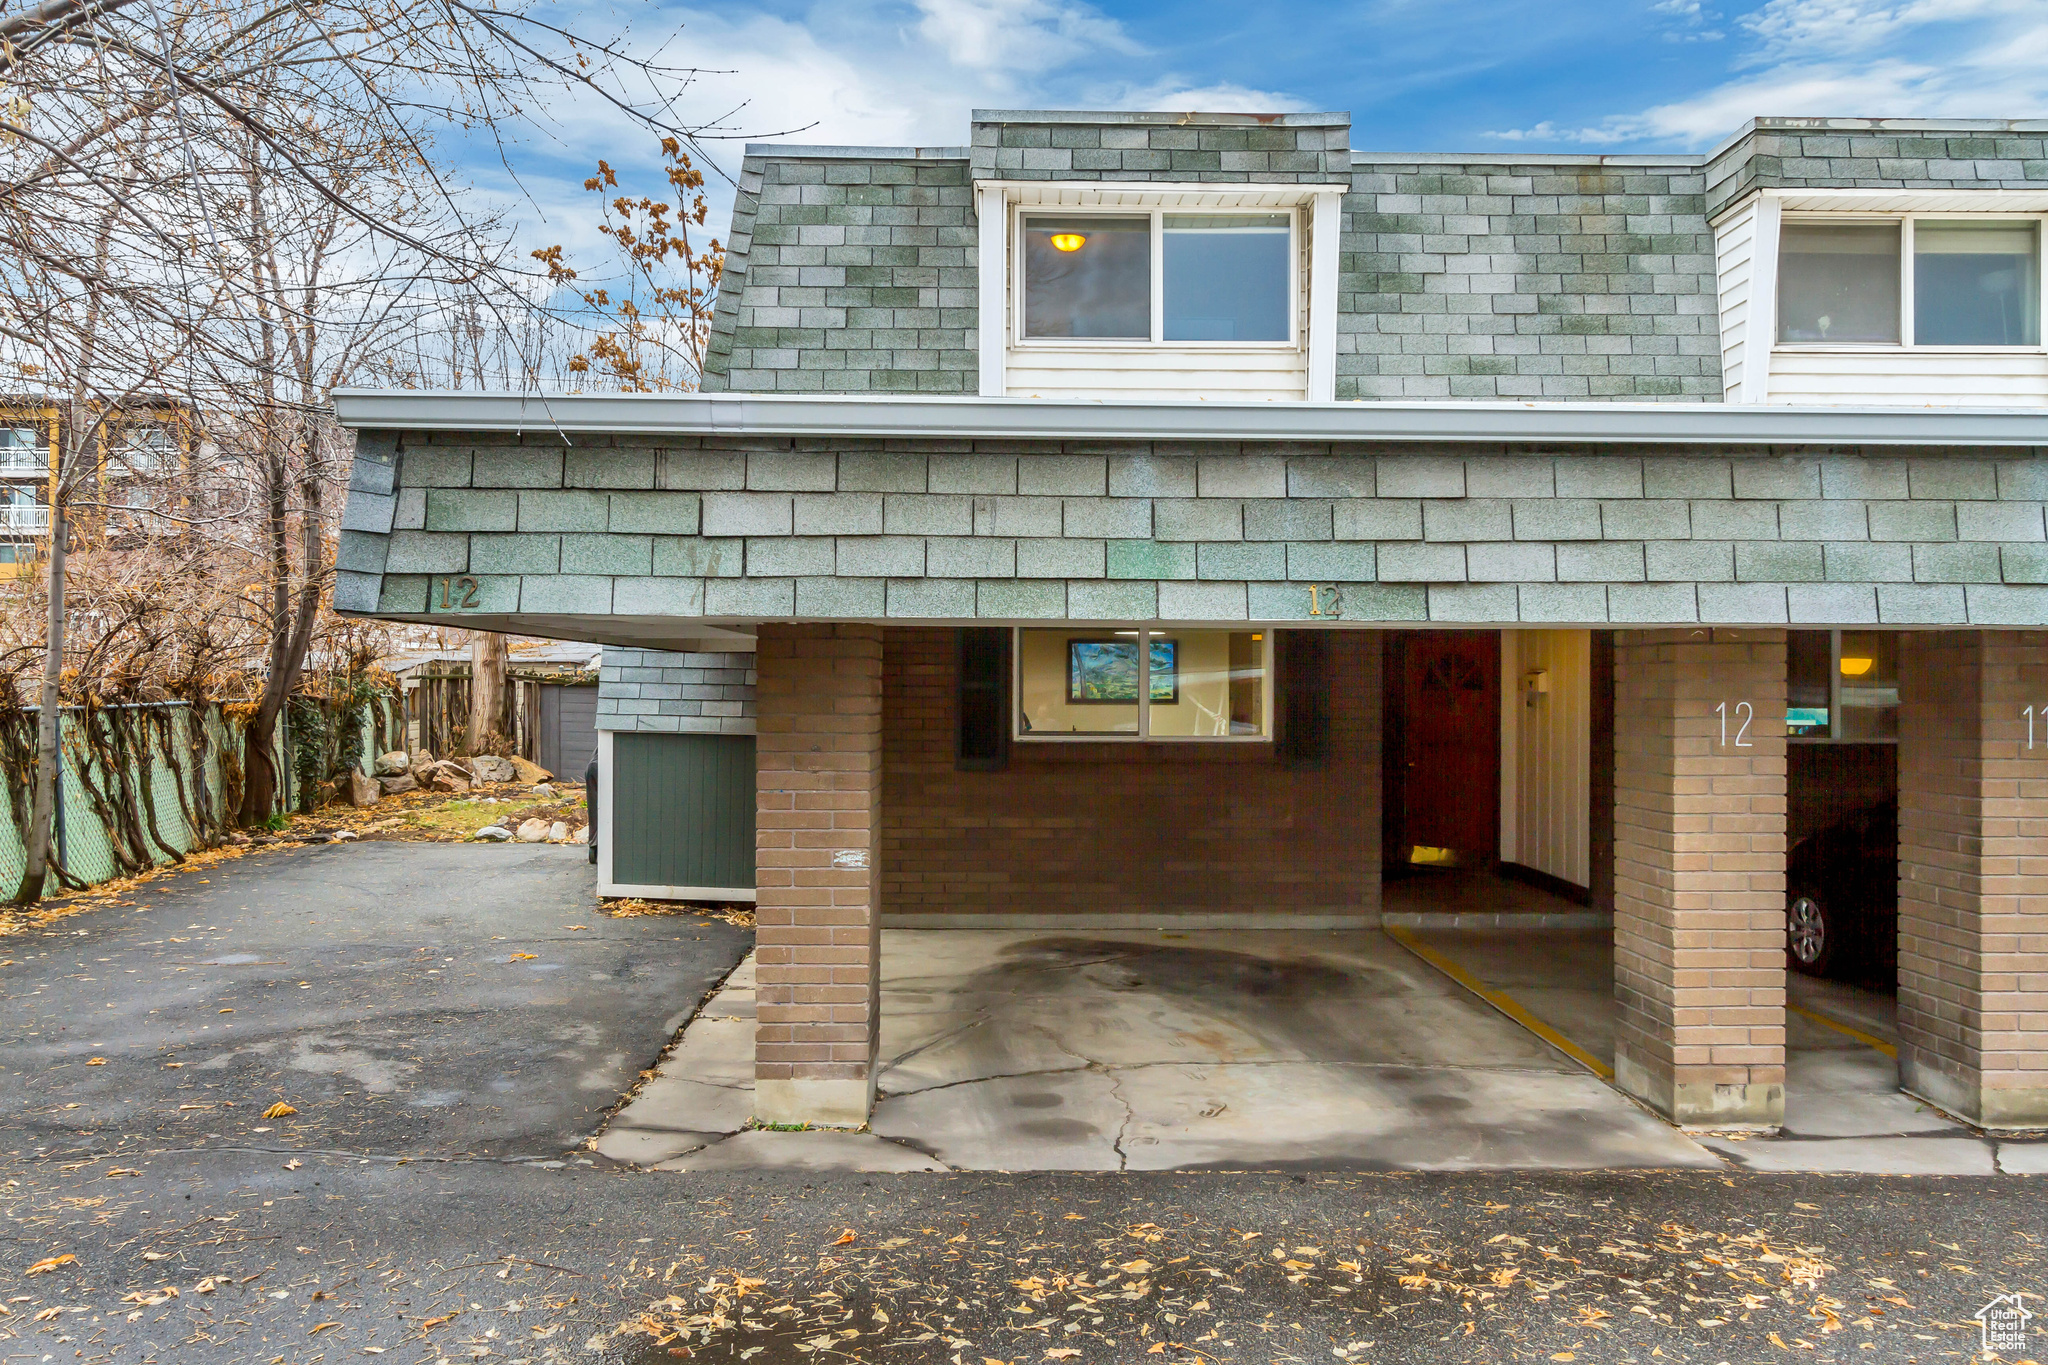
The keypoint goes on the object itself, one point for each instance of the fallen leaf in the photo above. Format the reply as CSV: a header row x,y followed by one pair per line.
x,y
524,957
280,1110
431,1323
47,1314
318,1328
95,1061
293,1164
119,1170
1563,1355
1138,1267
226,1011
844,1238
1061,1353
49,1263
575,926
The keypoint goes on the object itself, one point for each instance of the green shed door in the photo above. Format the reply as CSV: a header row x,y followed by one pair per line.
x,y
683,810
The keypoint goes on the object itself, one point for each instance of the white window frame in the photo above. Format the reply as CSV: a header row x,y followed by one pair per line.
x,y
1143,735
1317,210
1906,221
1019,213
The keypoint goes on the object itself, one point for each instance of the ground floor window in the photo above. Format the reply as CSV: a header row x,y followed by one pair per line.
x,y
1136,683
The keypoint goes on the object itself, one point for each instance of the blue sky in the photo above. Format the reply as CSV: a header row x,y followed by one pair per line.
x,y
1417,75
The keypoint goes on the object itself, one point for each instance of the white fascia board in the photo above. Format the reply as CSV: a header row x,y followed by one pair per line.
x,y
741,414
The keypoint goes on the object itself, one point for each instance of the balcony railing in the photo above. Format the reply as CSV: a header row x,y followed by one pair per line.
x,y
16,461
18,517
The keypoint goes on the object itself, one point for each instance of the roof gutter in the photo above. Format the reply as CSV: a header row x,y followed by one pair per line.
x,y
738,414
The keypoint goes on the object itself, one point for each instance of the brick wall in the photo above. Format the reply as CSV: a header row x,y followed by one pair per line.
x,y
1125,829
1973,874
1699,879
817,944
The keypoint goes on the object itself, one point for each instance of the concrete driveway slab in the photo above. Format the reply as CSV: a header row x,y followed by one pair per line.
x,y
1388,1118
1057,1121
407,999
761,1149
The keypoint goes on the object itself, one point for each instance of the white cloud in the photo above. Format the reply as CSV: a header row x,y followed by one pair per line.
x,y
1854,58
1018,35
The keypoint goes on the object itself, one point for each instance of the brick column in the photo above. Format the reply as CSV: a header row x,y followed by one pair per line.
x,y
818,775
1973,874
1699,873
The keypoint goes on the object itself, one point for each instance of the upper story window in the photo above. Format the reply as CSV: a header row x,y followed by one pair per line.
x,y
1920,281
23,450
1167,277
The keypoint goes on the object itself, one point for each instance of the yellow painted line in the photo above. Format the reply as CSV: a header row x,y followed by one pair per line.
x,y
1504,1003
1868,1040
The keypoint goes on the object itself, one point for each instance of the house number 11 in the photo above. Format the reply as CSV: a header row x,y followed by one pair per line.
x,y
1743,713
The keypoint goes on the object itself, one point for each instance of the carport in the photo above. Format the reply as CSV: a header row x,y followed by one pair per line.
x,y
1229,670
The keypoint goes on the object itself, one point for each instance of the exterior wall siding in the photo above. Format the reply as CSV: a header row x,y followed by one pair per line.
x,y
676,693
730,528
1904,154
847,276
1542,279
1121,834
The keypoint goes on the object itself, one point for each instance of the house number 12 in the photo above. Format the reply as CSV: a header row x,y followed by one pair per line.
x,y
1325,600
1743,713
459,594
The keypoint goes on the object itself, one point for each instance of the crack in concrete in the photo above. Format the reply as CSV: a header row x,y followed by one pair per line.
x,y
1116,1092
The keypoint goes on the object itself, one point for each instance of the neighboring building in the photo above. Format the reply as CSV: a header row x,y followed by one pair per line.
x,y
1184,518
135,464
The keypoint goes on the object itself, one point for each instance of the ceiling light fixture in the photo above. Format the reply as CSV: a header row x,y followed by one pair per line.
x,y
1068,241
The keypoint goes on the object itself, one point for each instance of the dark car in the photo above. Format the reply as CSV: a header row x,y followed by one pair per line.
x,y
1842,897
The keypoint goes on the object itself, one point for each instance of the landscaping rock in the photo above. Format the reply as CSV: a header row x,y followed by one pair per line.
x,y
533,831
581,836
422,764
496,834
363,792
526,770
491,768
558,832
544,792
446,780
393,763
404,782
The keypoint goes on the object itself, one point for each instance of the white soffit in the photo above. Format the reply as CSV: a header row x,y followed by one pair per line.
x,y
1912,201
1113,195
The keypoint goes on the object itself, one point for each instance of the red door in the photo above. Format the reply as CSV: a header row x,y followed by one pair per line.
x,y
1450,777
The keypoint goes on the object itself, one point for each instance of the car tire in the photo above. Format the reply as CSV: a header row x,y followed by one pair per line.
x,y
1812,934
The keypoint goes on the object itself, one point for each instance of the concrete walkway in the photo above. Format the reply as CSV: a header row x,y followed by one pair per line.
x,y
1843,1108
1029,1050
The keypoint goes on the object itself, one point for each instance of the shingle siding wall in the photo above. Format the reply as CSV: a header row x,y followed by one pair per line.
x,y
1878,154
847,276
834,529
1527,281
676,693
1186,149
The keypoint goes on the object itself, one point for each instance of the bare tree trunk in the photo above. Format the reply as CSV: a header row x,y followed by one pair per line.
x,y
489,703
49,727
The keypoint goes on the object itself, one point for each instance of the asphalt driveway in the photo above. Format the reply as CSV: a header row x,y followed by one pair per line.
x,y
405,999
